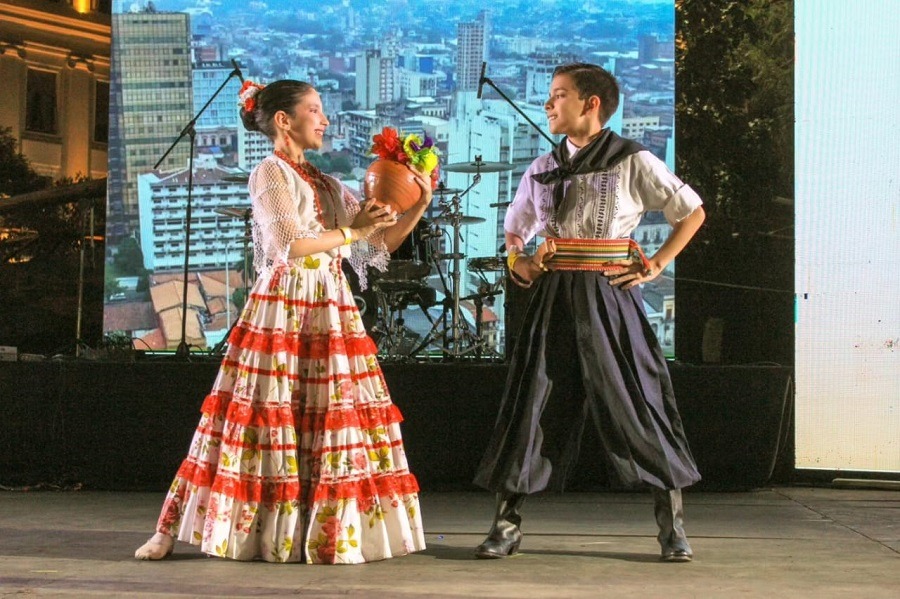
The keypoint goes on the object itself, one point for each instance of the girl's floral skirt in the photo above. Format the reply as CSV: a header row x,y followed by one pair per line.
x,y
298,455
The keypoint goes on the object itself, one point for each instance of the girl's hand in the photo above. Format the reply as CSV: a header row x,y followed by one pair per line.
x,y
424,182
371,217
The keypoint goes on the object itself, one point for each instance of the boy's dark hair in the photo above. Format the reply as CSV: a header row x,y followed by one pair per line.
x,y
283,94
591,80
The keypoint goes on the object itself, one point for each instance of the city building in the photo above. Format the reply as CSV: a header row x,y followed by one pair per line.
x,y
633,127
358,128
471,50
252,147
493,130
216,238
152,103
416,84
375,75
222,112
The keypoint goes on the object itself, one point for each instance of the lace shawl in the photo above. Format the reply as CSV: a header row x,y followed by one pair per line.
x,y
284,209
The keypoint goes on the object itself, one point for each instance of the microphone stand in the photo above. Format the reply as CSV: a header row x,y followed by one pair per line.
x,y
183,350
517,109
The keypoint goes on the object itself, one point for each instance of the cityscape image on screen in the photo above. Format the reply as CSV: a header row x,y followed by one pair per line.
x,y
376,63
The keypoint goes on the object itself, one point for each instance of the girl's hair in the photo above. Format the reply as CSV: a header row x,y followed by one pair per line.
x,y
283,94
591,80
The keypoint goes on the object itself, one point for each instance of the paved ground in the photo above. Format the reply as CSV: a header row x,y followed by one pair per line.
x,y
782,542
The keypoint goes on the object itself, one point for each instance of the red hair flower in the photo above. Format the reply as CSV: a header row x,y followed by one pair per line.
x,y
247,95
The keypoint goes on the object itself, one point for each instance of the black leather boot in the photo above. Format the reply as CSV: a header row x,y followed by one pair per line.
x,y
670,518
504,537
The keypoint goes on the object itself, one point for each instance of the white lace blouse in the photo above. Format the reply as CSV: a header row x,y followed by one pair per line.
x,y
284,209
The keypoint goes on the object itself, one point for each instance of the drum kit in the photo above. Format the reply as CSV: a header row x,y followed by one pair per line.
x,y
450,335
405,282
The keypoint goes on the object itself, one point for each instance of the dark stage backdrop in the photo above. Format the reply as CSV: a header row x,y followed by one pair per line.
x,y
127,426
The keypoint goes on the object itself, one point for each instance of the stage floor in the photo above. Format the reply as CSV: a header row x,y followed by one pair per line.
x,y
777,542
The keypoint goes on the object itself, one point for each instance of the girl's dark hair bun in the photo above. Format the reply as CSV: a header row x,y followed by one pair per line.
x,y
249,120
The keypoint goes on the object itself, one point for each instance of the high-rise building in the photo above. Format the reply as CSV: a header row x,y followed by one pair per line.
x,y
539,74
152,97
358,127
414,84
216,238
493,130
223,111
471,50
253,146
375,73
217,126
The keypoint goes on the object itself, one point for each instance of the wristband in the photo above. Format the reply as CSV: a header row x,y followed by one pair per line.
x,y
348,235
511,259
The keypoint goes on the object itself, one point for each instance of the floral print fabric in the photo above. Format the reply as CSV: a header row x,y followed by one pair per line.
x,y
298,455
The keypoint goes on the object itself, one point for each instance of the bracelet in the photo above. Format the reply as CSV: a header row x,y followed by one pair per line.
x,y
511,259
348,235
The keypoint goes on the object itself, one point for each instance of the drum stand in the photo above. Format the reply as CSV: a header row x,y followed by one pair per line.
x,y
458,340
397,342
219,348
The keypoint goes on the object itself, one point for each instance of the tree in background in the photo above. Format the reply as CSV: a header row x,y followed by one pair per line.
x,y
734,114
40,296
16,174
734,108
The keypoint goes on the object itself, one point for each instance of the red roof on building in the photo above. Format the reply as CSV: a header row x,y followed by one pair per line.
x,y
129,316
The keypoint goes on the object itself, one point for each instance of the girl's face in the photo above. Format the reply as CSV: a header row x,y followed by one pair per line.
x,y
307,126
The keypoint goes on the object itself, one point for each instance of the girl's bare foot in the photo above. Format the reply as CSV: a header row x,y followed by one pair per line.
x,y
157,547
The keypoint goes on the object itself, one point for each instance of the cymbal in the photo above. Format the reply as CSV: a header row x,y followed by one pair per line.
x,y
446,191
478,167
235,212
463,220
237,178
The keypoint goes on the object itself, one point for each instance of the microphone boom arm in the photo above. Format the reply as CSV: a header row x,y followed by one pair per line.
x,y
190,126
519,110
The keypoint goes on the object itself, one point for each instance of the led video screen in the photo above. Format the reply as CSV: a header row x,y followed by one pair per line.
x,y
847,212
376,64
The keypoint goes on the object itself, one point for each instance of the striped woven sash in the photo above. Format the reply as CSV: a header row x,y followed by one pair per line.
x,y
612,255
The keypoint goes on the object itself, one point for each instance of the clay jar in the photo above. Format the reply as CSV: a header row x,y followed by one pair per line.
x,y
391,183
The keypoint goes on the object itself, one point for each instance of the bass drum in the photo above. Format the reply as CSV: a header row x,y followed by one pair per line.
x,y
417,245
410,262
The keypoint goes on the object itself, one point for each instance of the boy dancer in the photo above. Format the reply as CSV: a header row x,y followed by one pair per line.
x,y
586,346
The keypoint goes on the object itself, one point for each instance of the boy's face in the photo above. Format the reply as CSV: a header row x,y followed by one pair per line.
x,y
566,112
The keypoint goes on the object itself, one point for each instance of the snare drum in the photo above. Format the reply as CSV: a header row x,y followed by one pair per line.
x,y
404,270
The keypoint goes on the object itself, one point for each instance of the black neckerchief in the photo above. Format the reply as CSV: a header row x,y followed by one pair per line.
x,y
603,152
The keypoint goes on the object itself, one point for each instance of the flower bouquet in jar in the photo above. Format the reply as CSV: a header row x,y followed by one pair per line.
x,y
388,179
